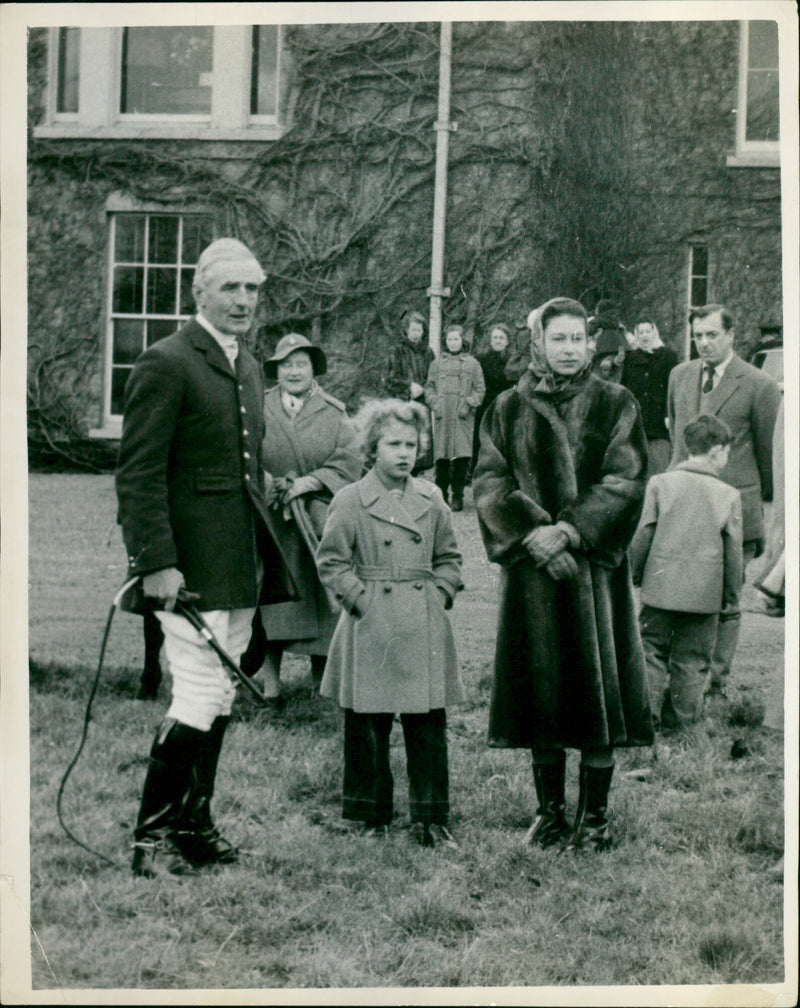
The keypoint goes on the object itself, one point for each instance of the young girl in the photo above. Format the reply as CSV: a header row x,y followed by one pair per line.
x,y
389,555
454,390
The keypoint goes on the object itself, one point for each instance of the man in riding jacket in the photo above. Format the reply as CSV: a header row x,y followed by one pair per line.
x,y
190,488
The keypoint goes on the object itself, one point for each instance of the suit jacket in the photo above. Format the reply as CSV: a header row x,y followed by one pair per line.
x,y
687,551
189,474
747,400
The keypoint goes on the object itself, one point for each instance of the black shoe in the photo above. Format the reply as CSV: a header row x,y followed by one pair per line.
x,y
550,827
592,830
441,836
205,846
156,856
421,835
458,503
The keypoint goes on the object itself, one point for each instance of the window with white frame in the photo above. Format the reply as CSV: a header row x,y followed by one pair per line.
x,y
698,287
192,82
758,112
152,260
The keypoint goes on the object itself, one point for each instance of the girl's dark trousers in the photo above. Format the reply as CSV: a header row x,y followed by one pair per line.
x,y
368,785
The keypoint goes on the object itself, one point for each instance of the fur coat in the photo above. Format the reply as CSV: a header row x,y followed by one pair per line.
x,y
569,667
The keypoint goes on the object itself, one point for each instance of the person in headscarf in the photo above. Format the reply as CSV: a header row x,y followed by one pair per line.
x,y
646,373
559,488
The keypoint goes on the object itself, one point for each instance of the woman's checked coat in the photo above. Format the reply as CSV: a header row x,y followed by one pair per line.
x,y
569,668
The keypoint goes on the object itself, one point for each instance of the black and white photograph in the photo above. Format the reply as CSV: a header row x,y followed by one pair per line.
x,y
398,592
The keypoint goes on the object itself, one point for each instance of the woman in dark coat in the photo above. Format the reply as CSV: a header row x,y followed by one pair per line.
x,y
646,373
407,373
493,365
310,450
558,489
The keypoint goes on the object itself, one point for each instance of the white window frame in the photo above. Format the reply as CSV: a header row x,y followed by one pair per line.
x,y
98,115
749,153
690,275
111,426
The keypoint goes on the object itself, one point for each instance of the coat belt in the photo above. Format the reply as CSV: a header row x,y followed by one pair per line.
x,y
399,573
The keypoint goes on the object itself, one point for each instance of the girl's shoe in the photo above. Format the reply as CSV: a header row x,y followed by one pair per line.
x,y
441,837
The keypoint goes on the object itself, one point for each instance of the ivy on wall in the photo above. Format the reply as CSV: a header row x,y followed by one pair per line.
x,y
565,173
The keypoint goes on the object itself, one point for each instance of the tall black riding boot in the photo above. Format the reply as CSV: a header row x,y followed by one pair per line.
x,y
318,668
253,656
550,826
166,790
591,830
197,838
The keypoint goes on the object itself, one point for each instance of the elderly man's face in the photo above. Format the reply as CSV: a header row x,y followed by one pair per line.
x,y
228,295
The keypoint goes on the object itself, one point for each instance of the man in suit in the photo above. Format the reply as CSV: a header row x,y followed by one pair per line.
x,y
191,504
719,382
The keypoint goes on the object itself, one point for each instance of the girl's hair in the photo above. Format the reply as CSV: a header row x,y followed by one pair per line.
x,y
498,325
375,416
646,321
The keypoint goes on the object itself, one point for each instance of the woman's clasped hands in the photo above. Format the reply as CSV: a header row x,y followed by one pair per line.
x,y
547,546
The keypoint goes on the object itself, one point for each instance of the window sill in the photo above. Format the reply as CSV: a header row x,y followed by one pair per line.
x,y
110,431
763,159
162,131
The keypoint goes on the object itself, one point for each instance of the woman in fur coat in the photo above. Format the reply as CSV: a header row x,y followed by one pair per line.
x,y
559,487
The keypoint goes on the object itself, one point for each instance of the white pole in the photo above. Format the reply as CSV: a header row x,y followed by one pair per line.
x,y
443,127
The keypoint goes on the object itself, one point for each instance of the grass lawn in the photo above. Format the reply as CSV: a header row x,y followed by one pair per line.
x,y
682,898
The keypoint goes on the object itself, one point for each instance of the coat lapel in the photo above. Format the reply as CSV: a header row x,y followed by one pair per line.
x,y
404,512
272,405
728,384
203,341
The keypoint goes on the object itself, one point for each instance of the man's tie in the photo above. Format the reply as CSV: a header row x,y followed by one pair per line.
x,y
708,384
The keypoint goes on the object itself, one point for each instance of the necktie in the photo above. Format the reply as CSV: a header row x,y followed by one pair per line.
x,y
708,384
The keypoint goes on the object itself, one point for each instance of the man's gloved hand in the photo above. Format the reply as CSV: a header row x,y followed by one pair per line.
x,y
164,585
562,567
545,543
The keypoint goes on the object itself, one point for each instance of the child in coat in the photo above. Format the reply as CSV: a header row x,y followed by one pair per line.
x,y
454,390
687,557
389,555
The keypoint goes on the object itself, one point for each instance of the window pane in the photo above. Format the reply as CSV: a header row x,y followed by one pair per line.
x,y
699,291
162,291
166,70
264,71
119,376
128,290
157,329
762,45
128,340
762,105
163,243
196,235
129,238
69,40
187,306
699,260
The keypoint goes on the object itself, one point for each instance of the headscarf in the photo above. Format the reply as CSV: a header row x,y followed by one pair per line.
x,y
549,381
657,341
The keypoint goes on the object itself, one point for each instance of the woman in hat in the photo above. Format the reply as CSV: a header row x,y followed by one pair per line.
x,y
559,488
310,451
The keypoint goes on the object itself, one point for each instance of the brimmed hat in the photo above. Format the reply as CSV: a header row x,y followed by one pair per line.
x,y
287,345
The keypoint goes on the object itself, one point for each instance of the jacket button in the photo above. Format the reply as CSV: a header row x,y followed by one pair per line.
x,y
242,409
247,477
387,588
417,538
245,433
246,455
418,586
387,542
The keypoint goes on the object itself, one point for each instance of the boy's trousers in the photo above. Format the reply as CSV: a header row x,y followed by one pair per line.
x,y
677,648
368,784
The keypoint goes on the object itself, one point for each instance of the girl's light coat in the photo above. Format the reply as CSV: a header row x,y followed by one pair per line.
x,y
391,553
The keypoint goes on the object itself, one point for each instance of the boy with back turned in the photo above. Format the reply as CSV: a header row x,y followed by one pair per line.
x,y
687,557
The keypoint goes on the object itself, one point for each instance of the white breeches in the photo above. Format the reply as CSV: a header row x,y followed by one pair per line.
x,y
201,688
